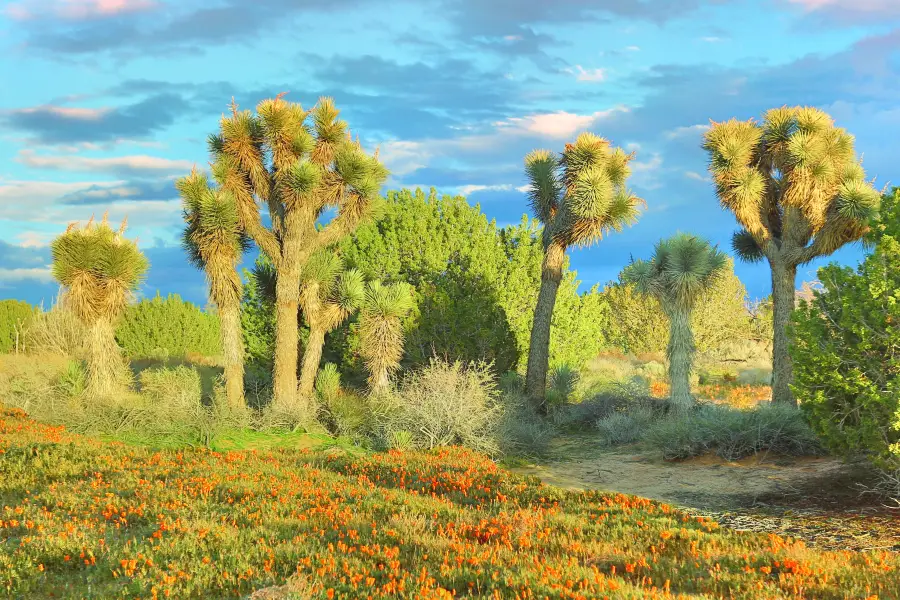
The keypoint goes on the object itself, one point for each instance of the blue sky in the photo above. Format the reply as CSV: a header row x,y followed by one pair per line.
x,y
106,102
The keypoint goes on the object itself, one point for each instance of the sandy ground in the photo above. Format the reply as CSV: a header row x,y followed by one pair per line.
x,y
815,499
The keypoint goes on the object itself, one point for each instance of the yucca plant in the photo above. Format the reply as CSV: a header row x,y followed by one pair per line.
x,y
579,196
296,170
328,296
797,189
381,330
683,268
215,243
99,271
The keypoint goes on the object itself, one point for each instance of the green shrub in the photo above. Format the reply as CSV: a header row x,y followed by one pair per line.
x,y
625,427
164,327
73,380
732,433
444,404
563,381
845,344
15,316
521,431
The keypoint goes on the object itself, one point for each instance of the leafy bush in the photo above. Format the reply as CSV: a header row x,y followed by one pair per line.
x,y
476,285
444,404
344,413
846,352
15,315
563,381
732,433
170,327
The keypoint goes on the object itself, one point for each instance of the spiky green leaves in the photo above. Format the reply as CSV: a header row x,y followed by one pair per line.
x,y
99,269
381,329
582,194
541,168
792,180
745,247
682,268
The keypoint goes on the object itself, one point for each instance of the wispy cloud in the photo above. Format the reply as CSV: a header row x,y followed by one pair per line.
x,y
41,275
560,124
75,10
582,74
140,164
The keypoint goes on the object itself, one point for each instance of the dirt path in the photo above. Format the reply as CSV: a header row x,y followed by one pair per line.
x,y
814,499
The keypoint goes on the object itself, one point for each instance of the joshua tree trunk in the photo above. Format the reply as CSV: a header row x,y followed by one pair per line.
x,y
381,381
312,355
287,305
233,345
681,357
539,350
783,292
107,371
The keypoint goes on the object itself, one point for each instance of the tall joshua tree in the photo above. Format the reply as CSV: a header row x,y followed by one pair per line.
x,y
296,170
381,330
798,191
99,270
579,197
328,296
682,269
215,243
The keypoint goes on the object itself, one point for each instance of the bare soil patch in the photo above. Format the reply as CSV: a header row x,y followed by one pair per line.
x,y
820,500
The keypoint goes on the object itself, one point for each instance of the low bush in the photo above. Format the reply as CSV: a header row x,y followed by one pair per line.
x,y
168,327
733,433
444,404
57,332
627,426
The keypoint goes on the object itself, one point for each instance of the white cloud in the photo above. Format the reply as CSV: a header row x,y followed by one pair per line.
x,y
712,39
33,239
524,188
41,274
115,164
466,190
78,114
583,74
690,131
697,176
403,157
632,48
855,5
559,124
644,173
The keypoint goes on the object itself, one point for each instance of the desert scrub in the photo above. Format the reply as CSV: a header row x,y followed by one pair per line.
x,y
444,404
733,433
169,326
113,521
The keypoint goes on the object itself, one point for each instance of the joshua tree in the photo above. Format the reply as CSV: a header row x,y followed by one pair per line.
x,y
798,191
579,197
682,269
99,270
381,330
297,171
215,244
328,295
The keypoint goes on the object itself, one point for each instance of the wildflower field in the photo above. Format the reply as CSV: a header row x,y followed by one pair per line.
x,y
81,518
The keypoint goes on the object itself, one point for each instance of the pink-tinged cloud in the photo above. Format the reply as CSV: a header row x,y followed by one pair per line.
x,y
81,114
117,164
75,9
850,10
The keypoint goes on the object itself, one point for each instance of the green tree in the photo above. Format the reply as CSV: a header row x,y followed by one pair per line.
x,y
579,197
297,171
381,330
15,315
682,269
720,319
798,191
328,296
99,270
170,325
475,285
215,243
